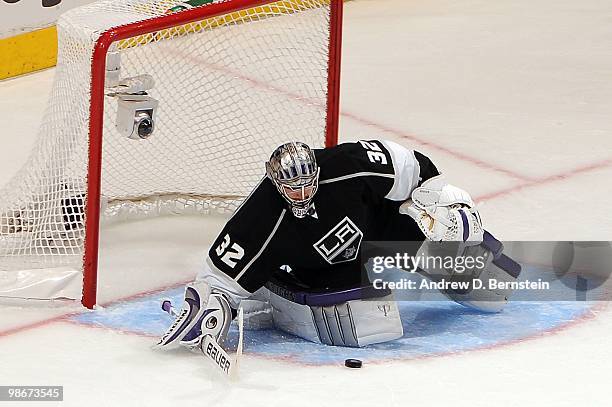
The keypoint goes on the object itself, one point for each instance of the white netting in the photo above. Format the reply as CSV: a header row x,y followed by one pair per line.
x,y
230,89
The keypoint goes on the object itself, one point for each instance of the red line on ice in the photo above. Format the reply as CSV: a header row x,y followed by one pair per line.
x,y
438,147
65,317
311,102
37,324
546,180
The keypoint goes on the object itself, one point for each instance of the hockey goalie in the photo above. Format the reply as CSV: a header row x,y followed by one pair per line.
x,y
292,247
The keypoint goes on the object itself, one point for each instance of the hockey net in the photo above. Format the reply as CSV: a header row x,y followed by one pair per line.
x,y
232,79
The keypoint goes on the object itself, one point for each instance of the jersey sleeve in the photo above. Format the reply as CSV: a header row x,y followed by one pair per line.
x,y
388,169
410,169
240,250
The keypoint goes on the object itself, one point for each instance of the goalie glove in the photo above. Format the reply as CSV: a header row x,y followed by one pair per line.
x,y
444,212
202,314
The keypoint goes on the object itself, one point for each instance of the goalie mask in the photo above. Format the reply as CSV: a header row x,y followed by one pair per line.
x,y
293,169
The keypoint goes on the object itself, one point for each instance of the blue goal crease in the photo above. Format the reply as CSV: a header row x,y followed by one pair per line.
x,y
431,328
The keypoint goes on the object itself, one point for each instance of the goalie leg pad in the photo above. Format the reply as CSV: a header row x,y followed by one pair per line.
x,y
358,323
502,270
497,266
257,310
353,323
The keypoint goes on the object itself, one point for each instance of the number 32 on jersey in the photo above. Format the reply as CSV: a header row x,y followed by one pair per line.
x,y
229,254
375,153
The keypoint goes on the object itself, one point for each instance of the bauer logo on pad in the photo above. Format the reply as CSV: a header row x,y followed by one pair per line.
x,y
341,243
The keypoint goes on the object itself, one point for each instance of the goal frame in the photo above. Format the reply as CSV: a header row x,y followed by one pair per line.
x,y
96,108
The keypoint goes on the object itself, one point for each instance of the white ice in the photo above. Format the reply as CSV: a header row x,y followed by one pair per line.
x,y
511,98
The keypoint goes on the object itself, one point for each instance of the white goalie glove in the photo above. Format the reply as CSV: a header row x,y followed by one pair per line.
x,y
444,212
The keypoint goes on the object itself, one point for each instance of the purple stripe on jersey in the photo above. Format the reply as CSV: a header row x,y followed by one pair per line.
x,y
329,298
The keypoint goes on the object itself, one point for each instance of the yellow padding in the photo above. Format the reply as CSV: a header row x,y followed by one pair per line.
x,y
237,17
38,49
28,52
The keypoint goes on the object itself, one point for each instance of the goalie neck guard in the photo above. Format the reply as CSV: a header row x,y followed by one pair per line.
x,y
292,167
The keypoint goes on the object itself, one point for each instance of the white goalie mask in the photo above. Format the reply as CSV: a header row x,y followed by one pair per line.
x,y
292,167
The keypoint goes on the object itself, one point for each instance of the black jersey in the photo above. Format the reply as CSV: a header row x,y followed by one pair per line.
x,y
353,204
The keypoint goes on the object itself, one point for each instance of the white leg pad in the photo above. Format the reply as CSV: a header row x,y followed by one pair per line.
x,y
377,320
354,323
294,318
257,310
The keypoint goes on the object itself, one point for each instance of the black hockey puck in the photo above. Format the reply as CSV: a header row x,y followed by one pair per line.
x,y
353,363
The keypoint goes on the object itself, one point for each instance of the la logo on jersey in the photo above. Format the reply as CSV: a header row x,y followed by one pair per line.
x,y
341,243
